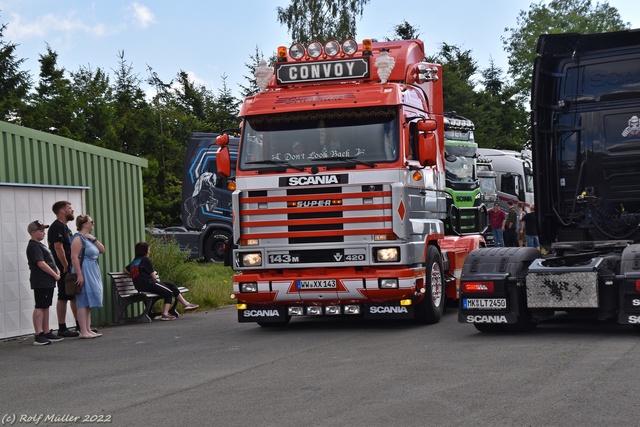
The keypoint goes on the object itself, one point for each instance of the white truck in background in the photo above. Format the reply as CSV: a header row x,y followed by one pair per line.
x,y
514,175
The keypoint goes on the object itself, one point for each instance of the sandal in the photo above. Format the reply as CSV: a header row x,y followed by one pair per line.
x,y
191,306
167,317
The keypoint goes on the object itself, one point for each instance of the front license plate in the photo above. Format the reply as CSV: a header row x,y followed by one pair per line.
x,y
485,303
317,284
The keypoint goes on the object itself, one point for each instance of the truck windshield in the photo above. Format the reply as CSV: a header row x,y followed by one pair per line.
x,y
320,137
488,185
460,161
459,169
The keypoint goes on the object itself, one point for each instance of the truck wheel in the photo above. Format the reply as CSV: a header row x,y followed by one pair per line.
x,y
215,247
430,309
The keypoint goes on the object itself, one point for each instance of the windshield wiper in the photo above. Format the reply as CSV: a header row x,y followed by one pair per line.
x,y
275,162
349,159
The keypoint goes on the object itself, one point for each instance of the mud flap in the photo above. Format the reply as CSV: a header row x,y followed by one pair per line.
x,y
504,268
629,295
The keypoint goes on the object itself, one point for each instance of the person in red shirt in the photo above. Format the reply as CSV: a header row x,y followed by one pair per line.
x,y
497,218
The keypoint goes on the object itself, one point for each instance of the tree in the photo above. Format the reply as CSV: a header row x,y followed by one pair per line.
x,y
500,118
252,87
321,20
52,107
559,16
134,129
405,31
14,84
94,113
226,113
192,97
458,68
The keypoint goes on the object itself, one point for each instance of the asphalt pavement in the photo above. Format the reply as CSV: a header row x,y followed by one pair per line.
x,y
207,369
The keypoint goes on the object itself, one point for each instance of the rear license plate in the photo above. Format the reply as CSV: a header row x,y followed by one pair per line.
x,y
485,303
317,284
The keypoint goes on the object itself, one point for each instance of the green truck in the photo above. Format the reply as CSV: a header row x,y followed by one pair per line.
x,y
466,212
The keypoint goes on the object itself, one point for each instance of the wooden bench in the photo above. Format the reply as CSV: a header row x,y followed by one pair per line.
x,y
127,299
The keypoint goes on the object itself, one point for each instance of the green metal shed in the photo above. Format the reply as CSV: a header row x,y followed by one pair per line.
x,y
37,169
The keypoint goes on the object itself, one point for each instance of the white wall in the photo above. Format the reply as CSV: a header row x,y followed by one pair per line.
x,y
19,205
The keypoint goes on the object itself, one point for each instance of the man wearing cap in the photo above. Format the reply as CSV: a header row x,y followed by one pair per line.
x,y
511,226
43,277
59,236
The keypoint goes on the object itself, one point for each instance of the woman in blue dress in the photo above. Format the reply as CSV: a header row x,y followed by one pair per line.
x,y
85,264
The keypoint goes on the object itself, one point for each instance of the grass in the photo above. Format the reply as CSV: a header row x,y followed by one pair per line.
x,y
210,284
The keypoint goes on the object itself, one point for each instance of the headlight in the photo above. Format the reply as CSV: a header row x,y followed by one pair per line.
x,y
251,259
249,287
388,283
387,254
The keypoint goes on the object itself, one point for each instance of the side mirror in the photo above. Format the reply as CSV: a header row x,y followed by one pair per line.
x,y
223,159
428,125
222,140
427,145
427,150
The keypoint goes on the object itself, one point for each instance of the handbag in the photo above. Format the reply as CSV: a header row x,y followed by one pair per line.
x,y
71,285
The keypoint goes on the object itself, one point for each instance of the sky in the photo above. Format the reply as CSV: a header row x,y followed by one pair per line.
x,y
210,39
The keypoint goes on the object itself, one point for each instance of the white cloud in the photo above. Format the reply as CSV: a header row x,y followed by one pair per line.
x,y
142,15
50,25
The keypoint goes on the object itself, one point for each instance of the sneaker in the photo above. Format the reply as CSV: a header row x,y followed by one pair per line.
x,y
68,333
53,337
41,340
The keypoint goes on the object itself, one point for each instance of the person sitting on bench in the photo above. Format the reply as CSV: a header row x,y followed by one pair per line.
x,y
145,279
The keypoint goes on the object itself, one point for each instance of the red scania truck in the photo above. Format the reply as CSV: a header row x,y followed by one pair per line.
x,y
339,190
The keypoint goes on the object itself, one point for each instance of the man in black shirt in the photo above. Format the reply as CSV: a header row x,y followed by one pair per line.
x,y
60,246
510,227
531,229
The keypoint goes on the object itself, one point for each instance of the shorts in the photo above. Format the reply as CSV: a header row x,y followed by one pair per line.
x,y
533,241
43,297
62,295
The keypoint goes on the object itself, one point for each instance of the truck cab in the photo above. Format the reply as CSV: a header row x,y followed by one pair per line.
x,y
514,175
339,192
466,213
206,201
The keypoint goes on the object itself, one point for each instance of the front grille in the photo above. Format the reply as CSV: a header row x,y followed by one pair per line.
x,y
331,214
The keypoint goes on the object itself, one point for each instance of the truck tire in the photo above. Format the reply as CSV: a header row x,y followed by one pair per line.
x,y
215,247
430,309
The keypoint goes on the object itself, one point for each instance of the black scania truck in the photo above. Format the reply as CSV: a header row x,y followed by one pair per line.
x,y
585,107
